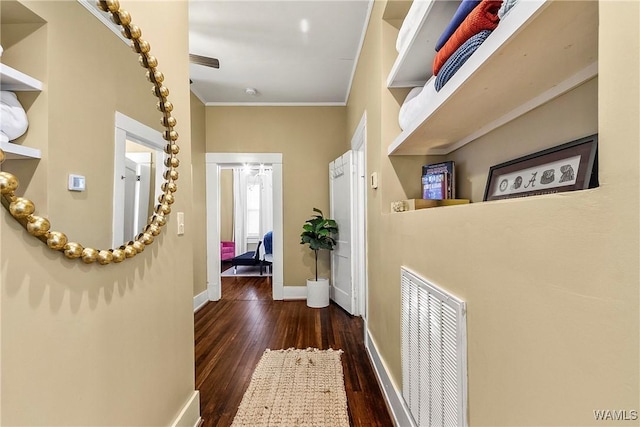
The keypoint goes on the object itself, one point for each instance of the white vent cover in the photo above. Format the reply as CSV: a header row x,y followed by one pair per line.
x,y
434,353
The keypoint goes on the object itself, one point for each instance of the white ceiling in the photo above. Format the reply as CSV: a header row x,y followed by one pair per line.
x,y
295,52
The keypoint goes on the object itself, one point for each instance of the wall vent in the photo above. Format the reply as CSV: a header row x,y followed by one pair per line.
x,y
434,353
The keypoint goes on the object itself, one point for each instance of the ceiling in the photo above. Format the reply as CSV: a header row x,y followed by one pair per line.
x,y
295,52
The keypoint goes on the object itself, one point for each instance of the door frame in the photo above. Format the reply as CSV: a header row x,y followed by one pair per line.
x,y
359,212
127,128
214,163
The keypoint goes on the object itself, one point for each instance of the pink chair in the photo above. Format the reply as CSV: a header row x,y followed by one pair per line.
x,y
227,250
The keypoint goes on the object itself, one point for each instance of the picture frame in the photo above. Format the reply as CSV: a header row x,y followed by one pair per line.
x,y
566,167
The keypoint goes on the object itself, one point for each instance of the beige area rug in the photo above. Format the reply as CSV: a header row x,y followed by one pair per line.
x,y
295,388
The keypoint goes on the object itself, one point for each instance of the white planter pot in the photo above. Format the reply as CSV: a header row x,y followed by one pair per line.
x,y
318,293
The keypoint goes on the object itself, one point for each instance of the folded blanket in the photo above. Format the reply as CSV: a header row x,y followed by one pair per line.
x,y
483,17
463,10
411,21
415,104
507,5
459,57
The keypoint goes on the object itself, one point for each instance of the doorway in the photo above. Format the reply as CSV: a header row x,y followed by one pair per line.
x,y
215,163
139,149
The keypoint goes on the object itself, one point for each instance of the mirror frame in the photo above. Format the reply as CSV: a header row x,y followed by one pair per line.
x,y
23,209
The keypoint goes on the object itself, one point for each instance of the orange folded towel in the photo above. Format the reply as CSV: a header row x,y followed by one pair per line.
x,y
482,17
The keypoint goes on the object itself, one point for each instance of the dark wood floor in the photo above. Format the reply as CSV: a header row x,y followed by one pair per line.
x,y
231,335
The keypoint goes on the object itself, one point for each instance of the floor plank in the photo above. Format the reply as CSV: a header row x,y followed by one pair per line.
x,y
231,335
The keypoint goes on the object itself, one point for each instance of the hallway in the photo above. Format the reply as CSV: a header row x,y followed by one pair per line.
x,y
231,335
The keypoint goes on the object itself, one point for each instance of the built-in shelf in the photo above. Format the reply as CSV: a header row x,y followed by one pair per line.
x,y
539,51
17,81
18,152
414,63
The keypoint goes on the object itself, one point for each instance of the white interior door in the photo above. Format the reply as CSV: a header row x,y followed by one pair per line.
x,y
342,185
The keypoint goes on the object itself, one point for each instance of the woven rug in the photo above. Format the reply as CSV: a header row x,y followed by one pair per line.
x,y
295,388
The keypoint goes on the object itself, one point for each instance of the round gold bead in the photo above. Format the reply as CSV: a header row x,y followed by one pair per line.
x,y
73,250
89,255
155,76
138,246
147,238
170,135
118,255
140,46
154,229
21,207
113,5
168,121
160,219
130,251
167,198
171,149
148,61
169,186
160,91
132,32
172,162
164,107
56,240
165,208
125,17
38,226
2,156
8,183
171,174
104,257
109,5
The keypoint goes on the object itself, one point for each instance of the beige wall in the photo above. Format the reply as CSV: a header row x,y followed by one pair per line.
x,y
551,282
308,138
90,344
198,223
226,205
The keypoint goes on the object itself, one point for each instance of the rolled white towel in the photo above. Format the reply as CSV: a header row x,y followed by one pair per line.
x,y
404,117
416,102
13,118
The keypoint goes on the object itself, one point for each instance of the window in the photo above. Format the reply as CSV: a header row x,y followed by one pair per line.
x,y
253,209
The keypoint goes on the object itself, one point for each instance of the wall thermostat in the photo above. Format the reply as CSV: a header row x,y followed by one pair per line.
x,y
76,182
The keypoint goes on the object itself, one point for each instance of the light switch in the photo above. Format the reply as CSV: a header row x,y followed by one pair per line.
x,y
374,180
180,218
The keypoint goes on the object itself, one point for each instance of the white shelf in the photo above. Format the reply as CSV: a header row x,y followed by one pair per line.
x,y
414,64
18,152
539,51
14,80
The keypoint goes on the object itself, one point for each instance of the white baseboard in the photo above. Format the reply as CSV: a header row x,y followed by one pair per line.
x,y
295,292
200,300
393,397
189,416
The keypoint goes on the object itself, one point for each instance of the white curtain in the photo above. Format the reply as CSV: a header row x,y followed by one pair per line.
x,y
266,202
239,209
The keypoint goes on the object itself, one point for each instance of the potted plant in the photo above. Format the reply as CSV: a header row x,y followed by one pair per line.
x,y
318,234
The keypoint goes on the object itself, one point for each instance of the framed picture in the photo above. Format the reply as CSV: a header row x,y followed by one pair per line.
x,y
567,167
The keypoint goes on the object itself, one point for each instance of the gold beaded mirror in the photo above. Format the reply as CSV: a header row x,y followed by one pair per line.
x,y
24,210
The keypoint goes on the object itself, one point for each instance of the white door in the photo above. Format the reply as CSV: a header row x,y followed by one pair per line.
x,y
342,185
137,193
